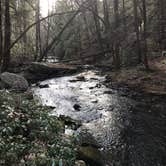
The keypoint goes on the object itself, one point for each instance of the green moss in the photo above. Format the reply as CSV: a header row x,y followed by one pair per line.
x,y
29,135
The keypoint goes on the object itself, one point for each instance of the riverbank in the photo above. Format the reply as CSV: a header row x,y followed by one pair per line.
x,y
29,135
153,81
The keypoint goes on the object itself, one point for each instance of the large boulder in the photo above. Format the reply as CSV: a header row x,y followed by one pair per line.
x,y
13,81
91,155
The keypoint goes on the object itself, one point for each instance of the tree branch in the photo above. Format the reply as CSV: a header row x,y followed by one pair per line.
x,y
33,24
58,36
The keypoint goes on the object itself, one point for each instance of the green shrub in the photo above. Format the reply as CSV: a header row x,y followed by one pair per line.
x,y
29,136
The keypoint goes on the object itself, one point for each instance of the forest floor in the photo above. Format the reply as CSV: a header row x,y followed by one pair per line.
x,y
153,81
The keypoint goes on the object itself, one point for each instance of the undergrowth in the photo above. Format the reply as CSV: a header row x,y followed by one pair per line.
x,y
29,136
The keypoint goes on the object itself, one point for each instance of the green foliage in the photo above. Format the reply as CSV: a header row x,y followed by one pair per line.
x,y
30,136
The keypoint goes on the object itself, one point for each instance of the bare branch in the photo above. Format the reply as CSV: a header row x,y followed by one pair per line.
x,y
30,26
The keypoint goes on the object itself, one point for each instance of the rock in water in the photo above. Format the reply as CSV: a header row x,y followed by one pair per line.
x,y
43,86
91,155
14,81
78,78
81,78
80,163
77,107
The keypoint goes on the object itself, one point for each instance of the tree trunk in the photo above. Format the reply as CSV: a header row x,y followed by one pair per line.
x,y
86,28
97,24
124,17
38,37
107,26
6,55
116,55
48,27
145,34
1,33
24,27
106,15
162,23
136,24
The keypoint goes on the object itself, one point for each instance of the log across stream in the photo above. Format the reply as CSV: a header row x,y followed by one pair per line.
x,y
116,126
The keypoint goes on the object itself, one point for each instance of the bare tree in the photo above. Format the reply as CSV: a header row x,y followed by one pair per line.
x,y
162,23
145,34
38,37
1,33
137,31
97,23
6,55
116,53
24,18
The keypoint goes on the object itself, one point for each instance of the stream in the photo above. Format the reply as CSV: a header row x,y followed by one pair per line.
x,y
117,127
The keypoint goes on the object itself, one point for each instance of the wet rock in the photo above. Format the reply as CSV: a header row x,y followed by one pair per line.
x,y
94,101
78,78
77,107
94,79
43,86
73,81
81,78
37,84
74,124
80,163
68,131
29,95
98,85
91,155
109,92
108,79
51,107
13,81
86,139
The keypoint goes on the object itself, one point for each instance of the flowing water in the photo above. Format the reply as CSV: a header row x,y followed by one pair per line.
x,y
124,127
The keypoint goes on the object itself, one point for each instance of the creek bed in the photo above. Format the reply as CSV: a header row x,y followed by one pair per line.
x,y
118,127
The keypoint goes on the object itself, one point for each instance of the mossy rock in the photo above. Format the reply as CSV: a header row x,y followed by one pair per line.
x,y
90,154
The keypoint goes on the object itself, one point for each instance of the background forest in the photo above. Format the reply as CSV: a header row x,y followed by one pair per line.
x,y
109,32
